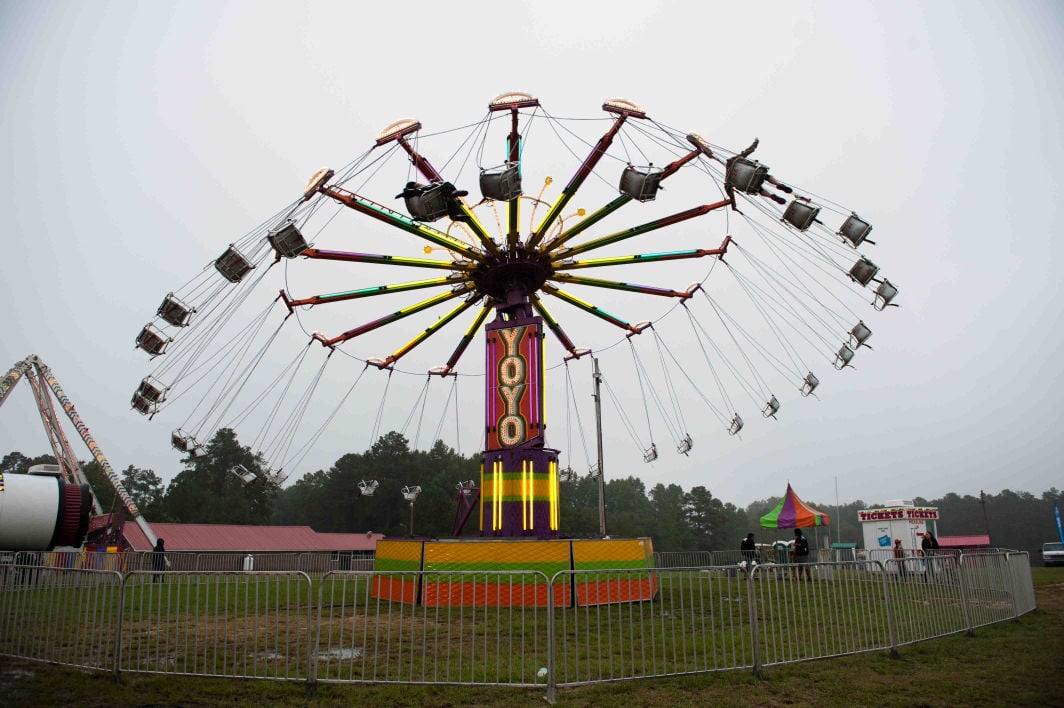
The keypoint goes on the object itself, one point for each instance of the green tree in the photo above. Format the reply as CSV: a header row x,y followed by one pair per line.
x,y
146,490
17,463
668,523
628,511
207,492
14,463
331,501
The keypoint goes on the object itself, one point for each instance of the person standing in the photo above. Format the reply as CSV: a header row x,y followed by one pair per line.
x,y
749,549
929,548
899,559
158,561
801,556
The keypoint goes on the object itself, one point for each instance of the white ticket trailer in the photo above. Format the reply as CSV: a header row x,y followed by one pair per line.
x,y
897,519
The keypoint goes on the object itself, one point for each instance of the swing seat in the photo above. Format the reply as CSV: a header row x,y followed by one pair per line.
x,y
174,311
685,445
232,265
641,183
809,384
242,473
276,477
859,335
426,202
800,215
863,271
843,357
651,453
142,405
885,293
368,488
855,230
566,474
182,441
501,183
287,240
746,175
151,390
736,425
771,408
152,340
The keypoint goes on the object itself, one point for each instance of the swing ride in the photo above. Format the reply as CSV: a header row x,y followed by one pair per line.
x,y
787,279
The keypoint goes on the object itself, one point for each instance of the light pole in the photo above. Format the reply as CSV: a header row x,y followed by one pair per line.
x,y
368,488
410,494
598,428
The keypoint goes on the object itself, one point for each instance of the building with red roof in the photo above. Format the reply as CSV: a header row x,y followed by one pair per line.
x,y
222,538
962,542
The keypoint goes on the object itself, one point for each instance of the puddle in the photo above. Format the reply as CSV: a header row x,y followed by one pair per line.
x,y
340,654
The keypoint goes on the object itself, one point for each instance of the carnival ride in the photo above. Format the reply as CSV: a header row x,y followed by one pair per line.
x,y
788,279
57,508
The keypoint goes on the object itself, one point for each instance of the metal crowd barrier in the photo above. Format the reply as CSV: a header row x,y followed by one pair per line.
x,y
459,627
59,615
216,623
516,628
308,562
697,621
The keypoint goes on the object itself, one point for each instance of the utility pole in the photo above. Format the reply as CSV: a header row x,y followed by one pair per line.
x,y
598,429
986,523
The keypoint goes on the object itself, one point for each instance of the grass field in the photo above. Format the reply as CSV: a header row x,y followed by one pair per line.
x,y
1010,663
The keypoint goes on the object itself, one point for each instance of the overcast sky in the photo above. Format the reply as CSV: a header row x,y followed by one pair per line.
x,y
140,139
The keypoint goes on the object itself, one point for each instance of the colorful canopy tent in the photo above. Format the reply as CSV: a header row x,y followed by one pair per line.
x,y
793,513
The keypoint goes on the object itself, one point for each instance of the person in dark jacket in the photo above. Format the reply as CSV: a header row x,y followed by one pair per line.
x,y
748,548
801,556
929,548
158,560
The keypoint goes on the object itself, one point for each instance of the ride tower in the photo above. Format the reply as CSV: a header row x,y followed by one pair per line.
x,y
519,474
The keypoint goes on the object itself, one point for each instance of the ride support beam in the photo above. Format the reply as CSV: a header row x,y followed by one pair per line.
x,y
577,179
594,310
380,259
394,317
366,292
389,216
647,257
618,285
97,453
463,344
554,327
642,229
513,143
613,206
425,334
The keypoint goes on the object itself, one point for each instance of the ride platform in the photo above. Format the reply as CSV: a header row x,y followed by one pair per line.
x,y
404,571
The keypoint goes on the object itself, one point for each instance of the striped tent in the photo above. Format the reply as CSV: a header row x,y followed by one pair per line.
x,y
793,513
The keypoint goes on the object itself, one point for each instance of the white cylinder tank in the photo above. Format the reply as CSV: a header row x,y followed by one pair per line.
x,y
40,511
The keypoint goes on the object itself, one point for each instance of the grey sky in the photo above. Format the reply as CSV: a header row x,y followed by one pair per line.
x,y
141,138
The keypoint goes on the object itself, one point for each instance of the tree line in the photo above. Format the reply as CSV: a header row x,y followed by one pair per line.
x,y
208,491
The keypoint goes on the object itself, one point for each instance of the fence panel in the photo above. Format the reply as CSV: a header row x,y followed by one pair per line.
x,y
1023,585
696,620
987,583
61,615
926,597
433,627
213,623
683,559
812,611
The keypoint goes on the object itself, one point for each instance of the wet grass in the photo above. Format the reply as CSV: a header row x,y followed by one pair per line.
x,y
1010,663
